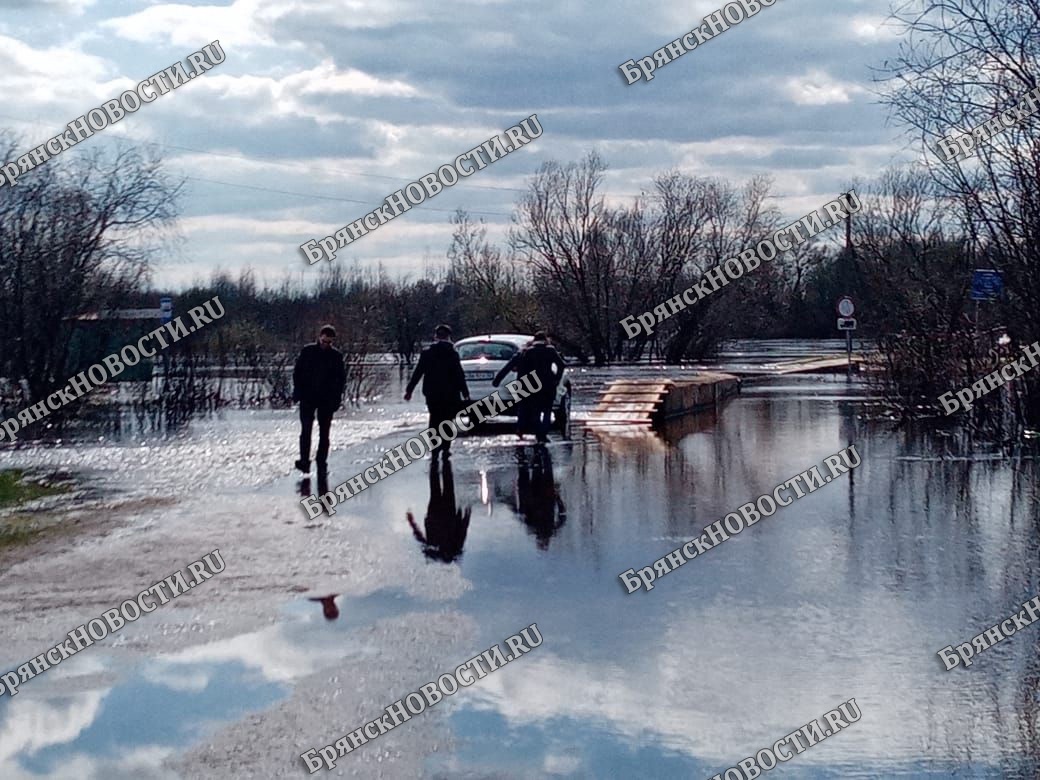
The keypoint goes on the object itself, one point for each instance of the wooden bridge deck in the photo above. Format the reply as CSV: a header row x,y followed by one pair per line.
x,y
642,402
816,365
629,402
627,405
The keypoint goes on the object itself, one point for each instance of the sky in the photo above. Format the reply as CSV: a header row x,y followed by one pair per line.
x,y
321,109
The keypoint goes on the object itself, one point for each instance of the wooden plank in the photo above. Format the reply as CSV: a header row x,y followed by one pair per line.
x,y
617,418
616,406
809,366
632,397
641,384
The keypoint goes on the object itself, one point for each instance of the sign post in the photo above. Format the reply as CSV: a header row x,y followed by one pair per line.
x,y
987,284
846,322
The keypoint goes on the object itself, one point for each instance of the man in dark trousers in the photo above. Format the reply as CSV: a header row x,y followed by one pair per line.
x,y
524,407
318,382
542,358
443,382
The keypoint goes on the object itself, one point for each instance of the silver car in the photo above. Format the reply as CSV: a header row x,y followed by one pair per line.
x,y
484,356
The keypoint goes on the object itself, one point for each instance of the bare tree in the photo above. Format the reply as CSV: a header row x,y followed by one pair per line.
x,y
496,297
701,223
74,237
962,64
557,231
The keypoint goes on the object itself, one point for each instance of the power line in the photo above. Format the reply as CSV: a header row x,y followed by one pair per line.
x,y
302,167
296,166
269,161
329,197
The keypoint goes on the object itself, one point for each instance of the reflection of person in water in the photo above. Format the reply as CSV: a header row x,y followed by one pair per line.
x,y
446,524
328,606
538,502
323,484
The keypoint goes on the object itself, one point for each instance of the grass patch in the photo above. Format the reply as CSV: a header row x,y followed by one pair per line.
x,y
14,489
12,537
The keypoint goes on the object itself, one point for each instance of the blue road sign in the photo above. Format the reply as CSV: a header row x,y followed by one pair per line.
x,y
986,285
166,306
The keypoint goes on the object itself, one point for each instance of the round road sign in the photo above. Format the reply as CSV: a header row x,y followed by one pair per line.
x,y
846,308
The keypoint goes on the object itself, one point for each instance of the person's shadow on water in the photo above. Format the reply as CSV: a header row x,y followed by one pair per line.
x,y
446,524
538,501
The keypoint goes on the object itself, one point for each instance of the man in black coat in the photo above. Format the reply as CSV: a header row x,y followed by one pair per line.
x,y
524,407
542,358
318,382
443,382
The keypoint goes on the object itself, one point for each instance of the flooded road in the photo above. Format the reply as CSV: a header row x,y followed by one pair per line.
x,y
317,626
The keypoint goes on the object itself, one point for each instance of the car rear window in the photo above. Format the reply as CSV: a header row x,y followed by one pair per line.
x,y
490,350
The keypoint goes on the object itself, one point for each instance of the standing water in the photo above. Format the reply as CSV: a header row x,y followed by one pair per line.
x,y
848,593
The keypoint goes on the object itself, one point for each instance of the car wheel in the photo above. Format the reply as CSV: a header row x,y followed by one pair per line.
x,y
563,417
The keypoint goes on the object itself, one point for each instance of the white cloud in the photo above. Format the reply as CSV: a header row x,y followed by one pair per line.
x,y
817,88
55,73
236,26
326,79
872,29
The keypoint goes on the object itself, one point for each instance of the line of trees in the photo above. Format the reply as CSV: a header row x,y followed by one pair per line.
x,y
79,236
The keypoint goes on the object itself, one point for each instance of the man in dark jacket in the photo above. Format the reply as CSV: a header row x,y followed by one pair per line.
x,y
542,358
524,407
318,382
444,382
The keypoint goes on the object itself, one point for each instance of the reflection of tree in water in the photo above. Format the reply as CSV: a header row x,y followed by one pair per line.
x,y
446,524
538,502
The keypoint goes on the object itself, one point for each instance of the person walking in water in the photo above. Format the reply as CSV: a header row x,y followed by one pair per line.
x,y
318,382
524,409
541,358
443,382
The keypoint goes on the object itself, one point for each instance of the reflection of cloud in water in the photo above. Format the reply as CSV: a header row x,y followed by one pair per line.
x,y
278,657
177,677
33,724
140,764
712,670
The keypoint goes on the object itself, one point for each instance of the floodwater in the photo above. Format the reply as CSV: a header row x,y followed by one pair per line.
x,y
848,592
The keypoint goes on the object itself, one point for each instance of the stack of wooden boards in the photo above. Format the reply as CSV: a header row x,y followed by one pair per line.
x,y
639,403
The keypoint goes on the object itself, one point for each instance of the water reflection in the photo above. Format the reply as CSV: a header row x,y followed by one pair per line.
x,y
849,592
538,503
328,606
303,486
446,524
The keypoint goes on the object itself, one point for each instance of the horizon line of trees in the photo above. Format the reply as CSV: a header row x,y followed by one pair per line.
x,y
79,235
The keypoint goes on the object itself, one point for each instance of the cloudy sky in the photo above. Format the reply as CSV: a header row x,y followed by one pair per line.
x,y
322,108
